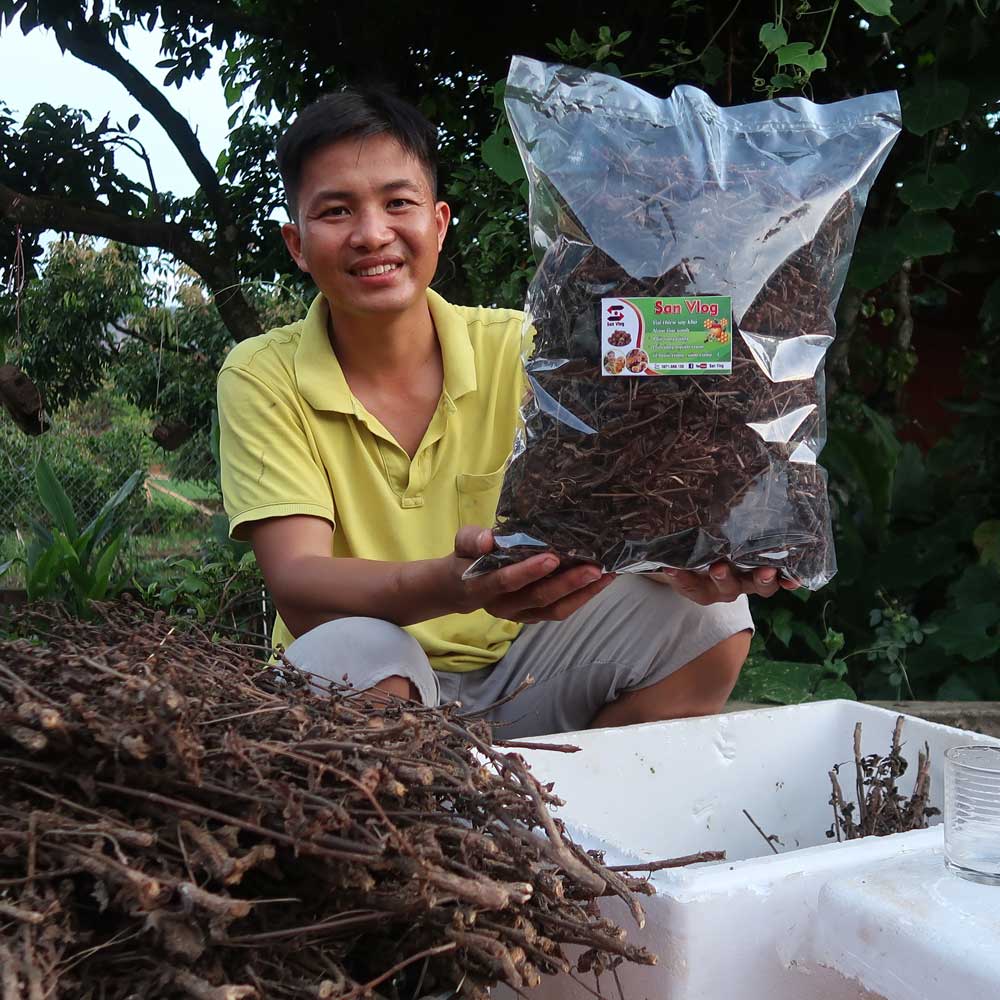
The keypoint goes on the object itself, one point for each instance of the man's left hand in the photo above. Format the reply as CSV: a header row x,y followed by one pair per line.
x,y
723,583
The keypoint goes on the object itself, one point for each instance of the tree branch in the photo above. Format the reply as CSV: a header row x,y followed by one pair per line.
x,y
42,212
89,45
153,342
838,369
904,329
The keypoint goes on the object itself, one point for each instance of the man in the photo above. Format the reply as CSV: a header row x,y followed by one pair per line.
x,y
362,456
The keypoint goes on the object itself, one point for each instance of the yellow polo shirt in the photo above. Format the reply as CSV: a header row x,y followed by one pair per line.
x,y
295,440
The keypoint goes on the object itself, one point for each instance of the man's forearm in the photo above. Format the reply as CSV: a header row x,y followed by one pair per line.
x,y
311,590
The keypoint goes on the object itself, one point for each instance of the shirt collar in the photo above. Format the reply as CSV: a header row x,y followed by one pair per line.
x,y
321,380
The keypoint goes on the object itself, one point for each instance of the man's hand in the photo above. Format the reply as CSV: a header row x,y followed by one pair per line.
x,y
722,583
528,591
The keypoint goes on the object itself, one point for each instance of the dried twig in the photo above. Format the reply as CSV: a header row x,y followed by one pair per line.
x,y
769,840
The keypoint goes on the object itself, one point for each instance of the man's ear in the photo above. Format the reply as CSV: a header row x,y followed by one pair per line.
x,y
293,240
442,216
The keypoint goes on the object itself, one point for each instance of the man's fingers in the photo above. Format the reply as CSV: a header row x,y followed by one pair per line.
x,y
695,587
727,584
543,593
763,582
472,542
724,583
561,610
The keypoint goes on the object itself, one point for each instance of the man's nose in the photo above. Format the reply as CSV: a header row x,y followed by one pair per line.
x,y
371,229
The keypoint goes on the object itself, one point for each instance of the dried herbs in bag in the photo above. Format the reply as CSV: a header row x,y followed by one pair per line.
x,y
691,261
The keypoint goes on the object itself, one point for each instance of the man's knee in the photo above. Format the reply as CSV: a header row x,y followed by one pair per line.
x,y
700,687
365,653
703,686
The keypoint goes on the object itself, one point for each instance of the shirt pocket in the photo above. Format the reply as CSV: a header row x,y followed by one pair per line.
x,y
477,498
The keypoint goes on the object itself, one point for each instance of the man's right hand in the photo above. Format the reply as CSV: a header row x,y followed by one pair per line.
x,y
529,591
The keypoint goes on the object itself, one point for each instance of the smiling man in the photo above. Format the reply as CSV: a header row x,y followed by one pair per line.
x,y
362,455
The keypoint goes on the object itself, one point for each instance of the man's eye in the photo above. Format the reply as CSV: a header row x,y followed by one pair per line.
x,y
400,203
334,210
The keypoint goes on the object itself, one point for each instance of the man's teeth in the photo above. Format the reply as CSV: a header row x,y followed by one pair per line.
x,y
369,272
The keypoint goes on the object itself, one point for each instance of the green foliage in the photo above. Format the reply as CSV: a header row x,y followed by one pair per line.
x,y
56,153
92,447
916,601
169,368
219,585
71,565
67,340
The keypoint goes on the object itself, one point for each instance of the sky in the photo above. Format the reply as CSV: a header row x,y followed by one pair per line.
x,y
32,69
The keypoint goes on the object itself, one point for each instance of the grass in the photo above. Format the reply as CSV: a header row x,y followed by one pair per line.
x,y
193,489
11,547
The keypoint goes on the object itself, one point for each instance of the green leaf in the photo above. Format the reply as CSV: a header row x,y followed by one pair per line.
x,y
102,568
6,566
943,188
54,499
878,8
933,103
772,36
781,625
101,525
799,54
920,235
876,259
71,561
914,558
986,539
713,62
980,163
970,632
885,434
43,577
779,682
829,688
810,637
499,89
502,157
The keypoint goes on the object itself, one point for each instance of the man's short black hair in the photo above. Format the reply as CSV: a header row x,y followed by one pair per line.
x,y
353,114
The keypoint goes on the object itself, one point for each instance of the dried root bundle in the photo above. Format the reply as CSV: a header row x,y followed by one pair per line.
x,y
177,821
881,808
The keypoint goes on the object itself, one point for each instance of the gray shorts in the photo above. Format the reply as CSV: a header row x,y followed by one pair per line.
x,y
633,634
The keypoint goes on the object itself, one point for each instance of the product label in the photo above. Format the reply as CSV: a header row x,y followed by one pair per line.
x,y
687,335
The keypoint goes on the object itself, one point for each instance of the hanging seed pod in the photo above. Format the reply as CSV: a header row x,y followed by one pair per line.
x,y
22,399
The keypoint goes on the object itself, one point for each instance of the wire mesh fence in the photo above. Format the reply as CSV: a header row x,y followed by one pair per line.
x,y
93,449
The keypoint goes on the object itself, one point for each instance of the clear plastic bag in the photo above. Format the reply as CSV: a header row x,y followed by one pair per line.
x,y
691,261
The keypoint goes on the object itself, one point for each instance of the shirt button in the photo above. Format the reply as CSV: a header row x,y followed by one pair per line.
x,y
412,501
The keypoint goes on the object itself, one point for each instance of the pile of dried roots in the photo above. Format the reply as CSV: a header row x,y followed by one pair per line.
x,y
177,821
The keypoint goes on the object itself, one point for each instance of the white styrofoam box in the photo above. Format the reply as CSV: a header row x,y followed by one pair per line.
x,y
909,929
744,927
